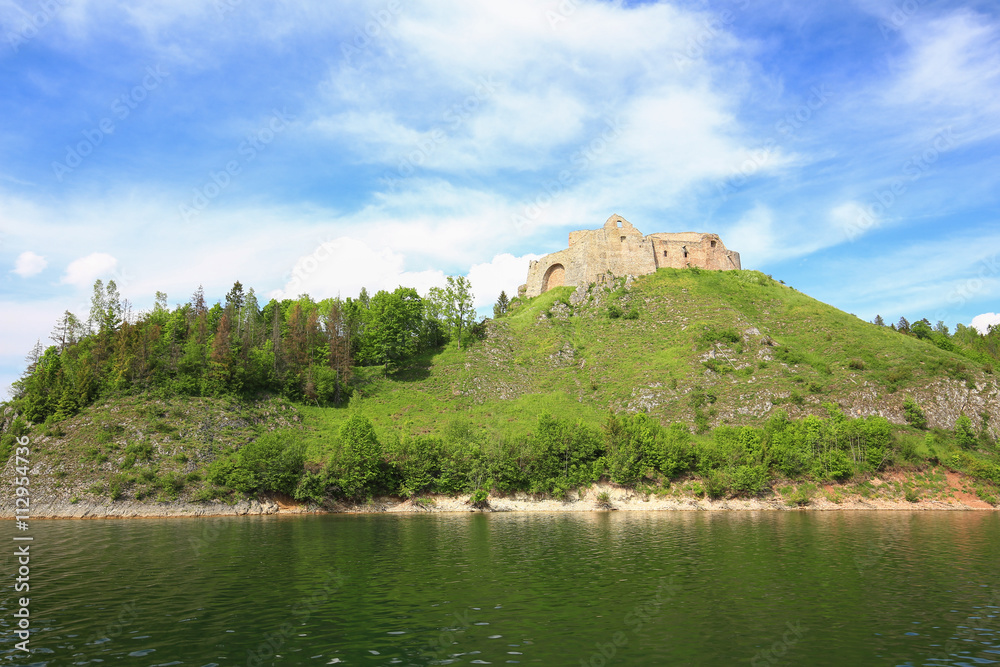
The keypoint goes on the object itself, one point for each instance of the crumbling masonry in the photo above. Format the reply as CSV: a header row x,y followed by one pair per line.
x,y
620,249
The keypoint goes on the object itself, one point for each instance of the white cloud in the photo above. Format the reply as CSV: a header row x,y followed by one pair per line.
x,y
83,271
753,237
29,264
983,322
343,266
953,61
504,272
504,89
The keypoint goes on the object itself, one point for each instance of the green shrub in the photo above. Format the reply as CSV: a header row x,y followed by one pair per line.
x,y
479,499
172,483
357,462
312,486
728,335
836,465
749,480
118,485
272,463
142,451
803,494
628,438
965,436
913,414
716,484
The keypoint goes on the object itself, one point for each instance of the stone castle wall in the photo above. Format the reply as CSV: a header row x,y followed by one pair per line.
x,y
621,249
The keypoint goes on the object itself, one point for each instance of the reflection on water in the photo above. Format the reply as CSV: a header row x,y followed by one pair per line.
x,y
895,588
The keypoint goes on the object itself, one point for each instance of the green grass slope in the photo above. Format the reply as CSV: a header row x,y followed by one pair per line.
x,y
704,348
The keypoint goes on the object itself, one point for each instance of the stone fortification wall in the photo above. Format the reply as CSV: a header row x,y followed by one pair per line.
x,y
620,249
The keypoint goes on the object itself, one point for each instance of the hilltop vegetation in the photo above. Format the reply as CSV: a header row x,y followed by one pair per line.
x,y
730,379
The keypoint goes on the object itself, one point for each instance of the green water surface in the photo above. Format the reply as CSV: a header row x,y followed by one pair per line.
x,y
608,588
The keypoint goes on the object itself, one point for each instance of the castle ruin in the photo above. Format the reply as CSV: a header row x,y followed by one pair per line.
x,y
620,249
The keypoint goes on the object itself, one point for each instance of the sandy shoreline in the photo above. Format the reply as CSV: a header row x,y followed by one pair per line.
x,y
620,499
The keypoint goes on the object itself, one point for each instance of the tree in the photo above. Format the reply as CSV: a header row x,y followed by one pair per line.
x,y
458,310
921,329
339,341
198,302
33,357
114,309
67,331
393,326
160,305
500,307
878,321
903,326
97,307
235,296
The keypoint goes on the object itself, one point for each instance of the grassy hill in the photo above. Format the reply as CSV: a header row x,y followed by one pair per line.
x,y
698,349
705,348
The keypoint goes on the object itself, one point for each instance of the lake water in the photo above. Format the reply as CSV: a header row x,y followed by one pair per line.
x,y
616,588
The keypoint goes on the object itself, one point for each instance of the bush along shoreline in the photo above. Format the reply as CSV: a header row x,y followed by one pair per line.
x,y
166,457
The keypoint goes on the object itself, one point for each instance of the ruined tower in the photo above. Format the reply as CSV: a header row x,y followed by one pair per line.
x,y
621,249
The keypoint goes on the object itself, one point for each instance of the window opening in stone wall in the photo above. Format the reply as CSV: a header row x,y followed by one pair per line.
x,y
713,244
685,250
623,239
664,253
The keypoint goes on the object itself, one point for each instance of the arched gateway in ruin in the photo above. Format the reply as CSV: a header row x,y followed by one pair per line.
x,y
621,249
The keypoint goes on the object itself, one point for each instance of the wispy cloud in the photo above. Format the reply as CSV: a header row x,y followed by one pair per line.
x,y
29,264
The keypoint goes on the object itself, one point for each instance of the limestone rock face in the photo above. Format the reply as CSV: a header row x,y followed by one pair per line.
x,y
620,249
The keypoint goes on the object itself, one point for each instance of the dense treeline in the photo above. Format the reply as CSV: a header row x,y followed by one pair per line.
x,y
559,456
966,341
298,348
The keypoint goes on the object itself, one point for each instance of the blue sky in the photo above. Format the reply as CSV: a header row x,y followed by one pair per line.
x,y
848,148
